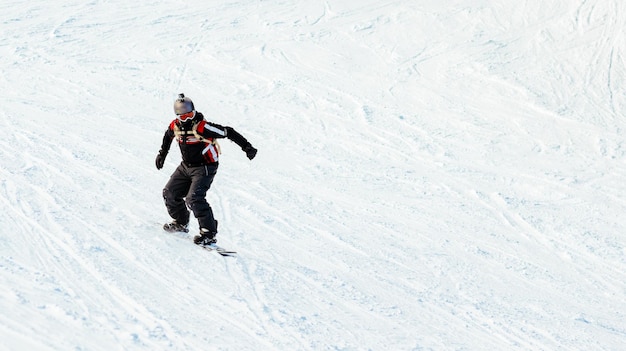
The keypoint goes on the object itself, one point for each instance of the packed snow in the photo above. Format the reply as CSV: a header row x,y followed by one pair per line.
x,y
431,175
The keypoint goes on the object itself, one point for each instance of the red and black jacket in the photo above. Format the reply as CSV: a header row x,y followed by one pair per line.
x,y
196,139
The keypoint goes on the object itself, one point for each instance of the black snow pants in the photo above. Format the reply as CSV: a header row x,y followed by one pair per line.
x,y
188,186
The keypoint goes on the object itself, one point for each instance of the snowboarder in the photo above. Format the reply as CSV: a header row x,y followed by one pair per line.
x,y
191,180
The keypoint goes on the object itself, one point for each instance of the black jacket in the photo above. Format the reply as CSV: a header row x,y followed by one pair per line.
x,y
196,140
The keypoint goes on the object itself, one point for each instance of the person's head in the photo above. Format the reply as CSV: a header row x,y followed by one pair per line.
x,y
184,109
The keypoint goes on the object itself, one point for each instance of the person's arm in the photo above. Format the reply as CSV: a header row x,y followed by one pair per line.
x,y
165,148
214,130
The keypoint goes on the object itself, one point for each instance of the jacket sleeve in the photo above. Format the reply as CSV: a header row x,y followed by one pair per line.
x,y
167,141
214,130
237,138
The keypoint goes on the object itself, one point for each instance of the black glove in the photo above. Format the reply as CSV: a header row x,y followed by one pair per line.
x,y
160,159
250,151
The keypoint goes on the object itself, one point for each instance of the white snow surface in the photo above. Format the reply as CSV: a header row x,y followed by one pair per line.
x,y
431,175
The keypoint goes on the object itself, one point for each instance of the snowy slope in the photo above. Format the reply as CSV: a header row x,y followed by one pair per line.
x,y
432,175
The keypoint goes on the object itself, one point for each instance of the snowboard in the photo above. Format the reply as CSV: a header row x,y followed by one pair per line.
x,y
212,247
220,250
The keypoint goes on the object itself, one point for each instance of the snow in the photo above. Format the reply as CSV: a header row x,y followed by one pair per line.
x,y
431,175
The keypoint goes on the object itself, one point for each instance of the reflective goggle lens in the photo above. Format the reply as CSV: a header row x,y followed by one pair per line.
x,y
186,116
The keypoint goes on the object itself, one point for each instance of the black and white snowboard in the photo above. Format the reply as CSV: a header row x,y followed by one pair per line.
x,y
211,247
220,250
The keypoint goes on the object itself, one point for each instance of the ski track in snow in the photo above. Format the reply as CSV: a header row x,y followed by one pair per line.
x,y
430,176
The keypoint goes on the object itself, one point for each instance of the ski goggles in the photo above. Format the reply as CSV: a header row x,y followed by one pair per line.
x,y
186,116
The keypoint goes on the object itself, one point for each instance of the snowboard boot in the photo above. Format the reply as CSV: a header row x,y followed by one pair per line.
x,y
205,238
175,227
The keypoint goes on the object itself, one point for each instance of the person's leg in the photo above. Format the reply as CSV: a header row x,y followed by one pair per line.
x,y
201,179
175,189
